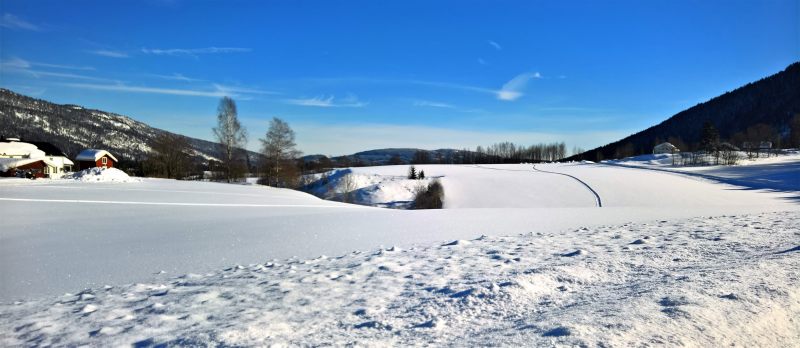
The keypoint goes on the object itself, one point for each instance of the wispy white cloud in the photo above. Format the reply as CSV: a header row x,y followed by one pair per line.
x,y
482,62
495,45
176,77
350,101
65,67
15,23
15,63
433,104
512,89
19,63
21,66
235,90
194,52
215,90
151,90
109,53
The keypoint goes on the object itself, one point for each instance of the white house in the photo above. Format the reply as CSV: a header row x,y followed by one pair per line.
x,y
665,148
44,159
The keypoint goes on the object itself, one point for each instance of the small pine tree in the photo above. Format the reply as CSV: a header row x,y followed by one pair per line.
x,y
412,173
421,175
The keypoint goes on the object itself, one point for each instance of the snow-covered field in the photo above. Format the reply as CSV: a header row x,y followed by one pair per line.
x,y
710,281
157,259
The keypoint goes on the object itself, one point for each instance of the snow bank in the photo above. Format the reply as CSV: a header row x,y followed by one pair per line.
x,y
365,188
700,282
101,175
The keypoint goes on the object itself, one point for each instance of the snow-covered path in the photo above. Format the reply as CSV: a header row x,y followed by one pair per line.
x,y
707,281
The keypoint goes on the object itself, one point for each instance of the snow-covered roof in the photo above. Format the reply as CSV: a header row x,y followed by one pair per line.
x,y
16,148
93,155
9,163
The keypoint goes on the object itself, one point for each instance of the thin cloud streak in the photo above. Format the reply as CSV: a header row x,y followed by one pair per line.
x,y
176,77
109,53
194,52
434,104
150,90
15,23
19,63
328,102
244,90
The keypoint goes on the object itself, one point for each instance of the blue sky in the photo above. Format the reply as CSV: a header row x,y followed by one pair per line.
x,y
358,75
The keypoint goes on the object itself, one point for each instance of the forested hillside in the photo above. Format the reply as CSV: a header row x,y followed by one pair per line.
x,y
765,110
73,128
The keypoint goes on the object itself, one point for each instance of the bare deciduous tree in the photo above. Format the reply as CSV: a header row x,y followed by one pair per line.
x,y
347,186
170,157
280,152
232,136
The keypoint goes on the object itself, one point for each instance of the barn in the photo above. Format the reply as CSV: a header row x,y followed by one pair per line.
x,y
26,167
91,158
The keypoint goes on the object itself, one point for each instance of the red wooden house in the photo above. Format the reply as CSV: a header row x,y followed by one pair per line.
x,y
91,158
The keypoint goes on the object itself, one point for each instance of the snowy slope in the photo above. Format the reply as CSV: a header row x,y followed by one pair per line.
x,y
61,229
702,282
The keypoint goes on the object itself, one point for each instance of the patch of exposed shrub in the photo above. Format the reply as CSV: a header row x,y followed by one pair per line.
x,y
430,196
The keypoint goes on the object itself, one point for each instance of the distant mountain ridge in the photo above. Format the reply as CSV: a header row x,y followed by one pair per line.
x,y
73,128
773,101
385,156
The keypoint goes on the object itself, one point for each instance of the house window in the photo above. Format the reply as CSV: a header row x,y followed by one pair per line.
x,y
105,160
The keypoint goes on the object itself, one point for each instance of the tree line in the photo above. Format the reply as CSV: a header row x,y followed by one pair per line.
x,y
278,163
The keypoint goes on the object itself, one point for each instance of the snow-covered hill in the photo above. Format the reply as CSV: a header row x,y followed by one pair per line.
x,y
73,128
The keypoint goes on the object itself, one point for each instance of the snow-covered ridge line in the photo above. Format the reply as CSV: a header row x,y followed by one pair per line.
x,y
673,283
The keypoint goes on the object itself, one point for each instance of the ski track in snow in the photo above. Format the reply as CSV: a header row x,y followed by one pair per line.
x,y
598,201
707,281
596,196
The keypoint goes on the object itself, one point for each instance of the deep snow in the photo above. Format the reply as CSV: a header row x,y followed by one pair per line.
x,y
89,234
640,270
708,281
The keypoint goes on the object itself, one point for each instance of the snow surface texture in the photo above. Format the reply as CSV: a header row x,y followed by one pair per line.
x,y
97,174
708,281
137,230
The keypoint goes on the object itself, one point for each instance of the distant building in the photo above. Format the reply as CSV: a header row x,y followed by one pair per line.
x,y
665,148
91,158
37,159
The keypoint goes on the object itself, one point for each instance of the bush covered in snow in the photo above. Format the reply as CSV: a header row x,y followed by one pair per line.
x,y
101,175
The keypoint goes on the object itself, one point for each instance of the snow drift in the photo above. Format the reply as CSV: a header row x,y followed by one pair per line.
x,y
101,175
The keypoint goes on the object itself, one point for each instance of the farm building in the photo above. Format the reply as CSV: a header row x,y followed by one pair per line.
x,y
665,148
40,159
91,158
26,167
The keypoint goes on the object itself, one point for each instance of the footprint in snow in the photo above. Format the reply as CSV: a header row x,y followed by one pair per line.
x,y
574,253
557,332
